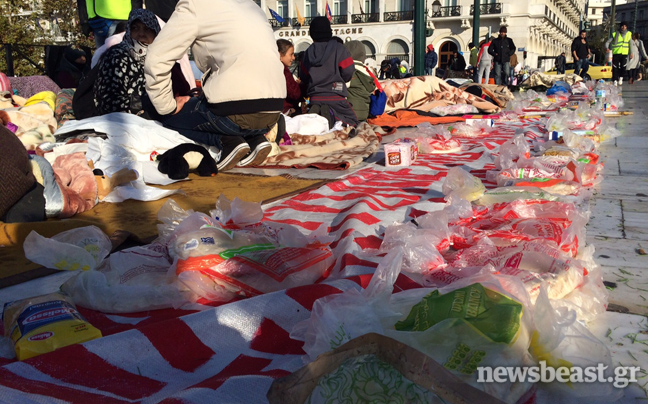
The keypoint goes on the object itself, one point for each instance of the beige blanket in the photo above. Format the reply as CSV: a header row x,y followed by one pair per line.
x,y
332,151
547,80
426,92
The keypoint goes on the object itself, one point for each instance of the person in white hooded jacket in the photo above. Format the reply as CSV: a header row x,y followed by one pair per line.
x,y
243,85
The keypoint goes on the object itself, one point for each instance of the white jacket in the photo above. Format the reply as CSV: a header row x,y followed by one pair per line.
x,y
232,38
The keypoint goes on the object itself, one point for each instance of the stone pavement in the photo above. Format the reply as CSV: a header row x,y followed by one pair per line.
x,y
618,226
618,229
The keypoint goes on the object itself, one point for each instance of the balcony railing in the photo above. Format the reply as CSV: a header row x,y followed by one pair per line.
x,y
276,24
449,11
399,15
339,19
307,22
491,8
367,17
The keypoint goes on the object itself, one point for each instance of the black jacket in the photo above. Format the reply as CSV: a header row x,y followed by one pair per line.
x,y
501,49
582,49
560,62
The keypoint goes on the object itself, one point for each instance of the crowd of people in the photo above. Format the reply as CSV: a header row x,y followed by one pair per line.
x,y
138,68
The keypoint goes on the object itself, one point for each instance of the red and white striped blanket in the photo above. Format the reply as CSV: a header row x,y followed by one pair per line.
x,y
233,352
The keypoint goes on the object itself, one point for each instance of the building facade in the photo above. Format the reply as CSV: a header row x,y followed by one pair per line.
x,y
542,28
634,14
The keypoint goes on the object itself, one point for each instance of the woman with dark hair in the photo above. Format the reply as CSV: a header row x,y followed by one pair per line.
x,y
120,83
294,94
637,55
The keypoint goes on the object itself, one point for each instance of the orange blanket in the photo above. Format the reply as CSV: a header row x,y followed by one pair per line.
x,y
406,117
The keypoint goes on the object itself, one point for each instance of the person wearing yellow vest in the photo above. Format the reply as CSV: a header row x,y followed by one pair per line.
x,y
104,15
620,46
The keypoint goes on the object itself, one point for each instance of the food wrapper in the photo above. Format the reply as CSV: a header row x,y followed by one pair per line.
x,y
43,324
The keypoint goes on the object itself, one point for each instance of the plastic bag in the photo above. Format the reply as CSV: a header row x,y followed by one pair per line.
x,y
254,270
132,280
83,248
417,245
459,183
560,340
459,345
511,151
535,263
339,318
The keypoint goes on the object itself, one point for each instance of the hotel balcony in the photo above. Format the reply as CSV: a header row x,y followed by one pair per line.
x,y
491,8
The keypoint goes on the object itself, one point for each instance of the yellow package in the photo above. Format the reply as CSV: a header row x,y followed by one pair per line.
x,y
45,323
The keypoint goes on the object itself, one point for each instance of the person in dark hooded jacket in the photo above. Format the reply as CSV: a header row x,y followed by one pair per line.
x,y
501,49
325,70
72,68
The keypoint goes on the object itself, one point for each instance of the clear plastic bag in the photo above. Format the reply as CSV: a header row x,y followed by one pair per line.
x,y
339,318
76,249
417,245
560,340
459,183
132,280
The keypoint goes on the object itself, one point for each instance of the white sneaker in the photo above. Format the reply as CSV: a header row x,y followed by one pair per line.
x,y
616,83
621,81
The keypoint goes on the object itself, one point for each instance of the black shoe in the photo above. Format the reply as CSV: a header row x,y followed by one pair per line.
x,y
259,150
234,148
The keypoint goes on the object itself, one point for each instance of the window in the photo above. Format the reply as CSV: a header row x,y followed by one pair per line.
x,y
369,49
339,7
641,14
370,6
593,11
282,8
406,5
311,8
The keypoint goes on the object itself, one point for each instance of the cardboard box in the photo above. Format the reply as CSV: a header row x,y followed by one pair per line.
x,y
400,153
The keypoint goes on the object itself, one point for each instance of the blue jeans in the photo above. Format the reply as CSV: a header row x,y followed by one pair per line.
x,y
582,65
502,69
199,124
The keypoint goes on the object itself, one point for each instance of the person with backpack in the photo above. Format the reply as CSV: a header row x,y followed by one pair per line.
x,y
362,84
501,49
619,43
560,63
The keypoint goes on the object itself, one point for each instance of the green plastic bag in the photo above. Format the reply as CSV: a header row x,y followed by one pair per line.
x,y
492,314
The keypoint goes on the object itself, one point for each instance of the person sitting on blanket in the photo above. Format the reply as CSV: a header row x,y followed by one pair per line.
x,y
294,97
326,69
120,79
362,83
240,102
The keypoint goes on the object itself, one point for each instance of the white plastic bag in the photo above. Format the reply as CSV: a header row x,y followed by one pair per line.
x,y
132,280
83,248
339,318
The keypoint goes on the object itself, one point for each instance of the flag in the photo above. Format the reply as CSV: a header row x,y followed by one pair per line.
x,y
301,20
328,12
276,16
